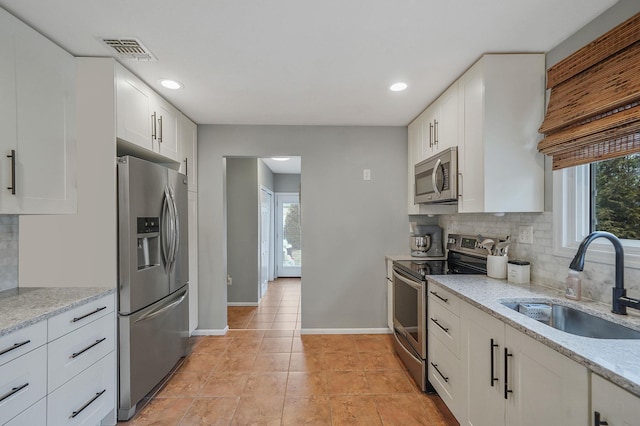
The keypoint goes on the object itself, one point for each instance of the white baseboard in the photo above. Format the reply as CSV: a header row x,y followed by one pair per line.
x,y
242,303
345,331
210,332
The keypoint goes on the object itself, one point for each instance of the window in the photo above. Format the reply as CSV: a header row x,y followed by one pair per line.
x,y
601,196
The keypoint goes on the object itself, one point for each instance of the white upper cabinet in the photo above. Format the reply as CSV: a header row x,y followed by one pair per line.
x,y
145,122
188,150
501,103
37,112
414,153
440,123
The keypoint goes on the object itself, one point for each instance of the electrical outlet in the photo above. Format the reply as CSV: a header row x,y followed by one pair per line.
x,y
229,280
525,234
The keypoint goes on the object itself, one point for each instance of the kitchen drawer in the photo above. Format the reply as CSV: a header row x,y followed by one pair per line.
x,y
23,382
75,318
36,415
444,325
85,399
75,352
22,341
443,372
444,297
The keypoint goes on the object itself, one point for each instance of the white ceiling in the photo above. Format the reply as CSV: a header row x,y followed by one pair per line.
x,y
291,166
307,62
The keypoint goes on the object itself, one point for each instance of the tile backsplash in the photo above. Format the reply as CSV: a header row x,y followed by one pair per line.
x,y
8,252
546,268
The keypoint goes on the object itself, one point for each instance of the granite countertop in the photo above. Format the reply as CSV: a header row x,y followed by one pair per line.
x,y
21,307
615,359
409,257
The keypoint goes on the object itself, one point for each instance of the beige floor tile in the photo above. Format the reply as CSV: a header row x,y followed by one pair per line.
x,y
236,362
211,411
284,325
374,343
347,383
402,409
245,344
388,382
259,410
261,383
307,361
278,333
162,412
246,334
341,361
309,410
183,384
200,362
267,361
276,344
212,344
381,361
307,383
225,384
348,410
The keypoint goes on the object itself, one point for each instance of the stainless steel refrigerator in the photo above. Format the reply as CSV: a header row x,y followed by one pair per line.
x,y
153,275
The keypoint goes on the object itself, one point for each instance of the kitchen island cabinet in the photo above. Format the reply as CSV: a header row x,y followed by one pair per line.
x,y
38,121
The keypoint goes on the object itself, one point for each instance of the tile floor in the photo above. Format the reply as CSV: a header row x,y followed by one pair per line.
x,y
271,375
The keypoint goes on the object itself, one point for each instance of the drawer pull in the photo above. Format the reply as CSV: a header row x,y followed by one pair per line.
x,y
435,366
435,321
15,346
88,347
439,297
507,391
597,421
13,392
493,378
88,403
89,314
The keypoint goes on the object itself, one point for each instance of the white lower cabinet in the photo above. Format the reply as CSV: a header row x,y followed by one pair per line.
x,y
67,379
511,379
612,404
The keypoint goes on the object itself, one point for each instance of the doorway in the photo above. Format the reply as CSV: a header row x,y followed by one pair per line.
x,y
266,236
288,239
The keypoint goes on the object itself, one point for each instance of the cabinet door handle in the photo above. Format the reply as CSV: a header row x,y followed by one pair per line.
x,y
12,188
430,135
435,321
97,342
76,319
160,132
153,126
86,404
15,346
13,392
507,391
435,366
186,166
439,297
435,132
492,350
597,421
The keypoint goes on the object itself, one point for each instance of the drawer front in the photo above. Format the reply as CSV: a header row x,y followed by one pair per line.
x,y
445,326
23,382
71,320
445,298
85,399
443,371
22,341
36,415
75,352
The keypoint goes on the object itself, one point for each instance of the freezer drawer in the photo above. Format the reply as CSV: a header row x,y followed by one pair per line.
x,y
152,341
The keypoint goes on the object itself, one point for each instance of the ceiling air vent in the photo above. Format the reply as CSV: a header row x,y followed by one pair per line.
x,y
129,48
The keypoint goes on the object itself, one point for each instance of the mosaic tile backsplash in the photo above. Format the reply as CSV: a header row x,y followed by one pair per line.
x,y
8,252
546,269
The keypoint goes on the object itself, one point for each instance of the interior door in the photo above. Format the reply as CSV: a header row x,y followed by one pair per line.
x,y
265,238
288,235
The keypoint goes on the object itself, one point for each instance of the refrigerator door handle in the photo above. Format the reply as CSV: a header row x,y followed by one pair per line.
x,y
152,313
176,224
166,231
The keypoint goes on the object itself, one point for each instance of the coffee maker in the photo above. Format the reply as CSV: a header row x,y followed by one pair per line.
x,y
426,241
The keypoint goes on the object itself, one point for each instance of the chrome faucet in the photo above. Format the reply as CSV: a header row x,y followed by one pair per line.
x,y
620,299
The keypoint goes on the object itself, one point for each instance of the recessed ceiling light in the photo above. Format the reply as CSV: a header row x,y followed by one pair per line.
x,y
398,87
280,158
170,84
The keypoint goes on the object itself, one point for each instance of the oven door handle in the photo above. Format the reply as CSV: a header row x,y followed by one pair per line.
x,y
415,284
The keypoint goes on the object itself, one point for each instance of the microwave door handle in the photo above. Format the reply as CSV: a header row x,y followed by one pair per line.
x,y
434,179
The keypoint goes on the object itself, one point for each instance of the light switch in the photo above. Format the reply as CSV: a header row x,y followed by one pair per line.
x,y
366,174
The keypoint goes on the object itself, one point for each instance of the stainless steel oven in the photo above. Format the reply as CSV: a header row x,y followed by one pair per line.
x,y
410,298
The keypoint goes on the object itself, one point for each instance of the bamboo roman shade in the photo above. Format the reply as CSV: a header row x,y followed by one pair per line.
x,y
594,108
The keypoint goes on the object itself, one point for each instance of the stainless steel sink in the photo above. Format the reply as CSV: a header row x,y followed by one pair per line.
x,y
580,323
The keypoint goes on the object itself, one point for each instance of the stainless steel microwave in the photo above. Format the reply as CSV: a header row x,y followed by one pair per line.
x,y
436,178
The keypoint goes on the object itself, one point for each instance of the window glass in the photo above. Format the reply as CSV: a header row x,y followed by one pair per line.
x,y
615,196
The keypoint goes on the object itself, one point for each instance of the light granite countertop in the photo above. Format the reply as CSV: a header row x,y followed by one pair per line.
x,y
409,257
615,359
21,307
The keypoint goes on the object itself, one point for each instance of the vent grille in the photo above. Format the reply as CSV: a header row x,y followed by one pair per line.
x,y
129,48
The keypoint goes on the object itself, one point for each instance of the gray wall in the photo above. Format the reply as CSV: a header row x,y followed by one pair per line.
x,y
286,183
265,176
349,224
242,229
